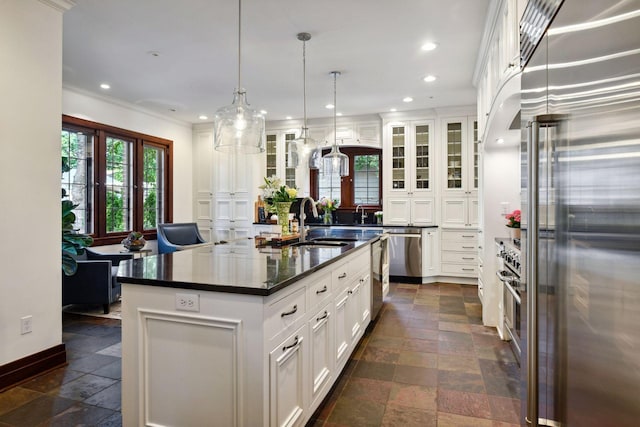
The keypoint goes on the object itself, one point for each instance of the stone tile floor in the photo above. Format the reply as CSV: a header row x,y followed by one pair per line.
x,y
426,361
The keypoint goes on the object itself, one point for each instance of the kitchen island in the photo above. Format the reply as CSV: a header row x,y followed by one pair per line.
x,y
237,335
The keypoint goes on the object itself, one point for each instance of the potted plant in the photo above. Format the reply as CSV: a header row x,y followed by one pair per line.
x,y
73,243
513,222
328,206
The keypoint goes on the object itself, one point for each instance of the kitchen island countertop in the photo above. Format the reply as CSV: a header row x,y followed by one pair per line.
x,y
239,266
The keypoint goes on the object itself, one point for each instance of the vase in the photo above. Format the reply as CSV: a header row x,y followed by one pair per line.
x,y
514,233
282,210
327,218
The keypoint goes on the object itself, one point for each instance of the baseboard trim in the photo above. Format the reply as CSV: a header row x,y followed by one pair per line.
x,y
18,371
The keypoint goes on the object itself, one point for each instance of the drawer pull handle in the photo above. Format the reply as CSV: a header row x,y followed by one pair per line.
x,y
289,313
342,276
466,235
468,247
323,290
287,347
467,269
467,257
324,316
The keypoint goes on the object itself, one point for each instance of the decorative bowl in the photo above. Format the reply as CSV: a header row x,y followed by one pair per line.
x,y
134,241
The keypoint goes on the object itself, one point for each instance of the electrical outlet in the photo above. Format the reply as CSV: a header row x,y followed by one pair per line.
x,y
26,324
188,302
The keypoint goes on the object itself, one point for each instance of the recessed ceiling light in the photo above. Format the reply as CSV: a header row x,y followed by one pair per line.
x,y
393,110
263,112
407,99
338,114
429,78
203,117
288,117
429,46
329,106
105,86
500,140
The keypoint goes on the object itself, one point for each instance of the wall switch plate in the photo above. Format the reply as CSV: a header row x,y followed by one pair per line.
x,y
504,207
188,302
26,324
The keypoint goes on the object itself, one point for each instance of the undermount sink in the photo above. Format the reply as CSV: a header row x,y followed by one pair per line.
x,y
321,244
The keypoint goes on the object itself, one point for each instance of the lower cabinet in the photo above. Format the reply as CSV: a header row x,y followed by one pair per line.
x,y
287,380
321,355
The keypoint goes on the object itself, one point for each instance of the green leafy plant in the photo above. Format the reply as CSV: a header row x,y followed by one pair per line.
x,y
73,243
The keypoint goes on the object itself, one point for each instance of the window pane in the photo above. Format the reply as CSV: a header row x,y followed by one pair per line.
x,y
366,179
119,201
77,176
153,186
329,186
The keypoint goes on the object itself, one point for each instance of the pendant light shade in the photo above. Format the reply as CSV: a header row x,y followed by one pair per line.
x,y
237,127
335,161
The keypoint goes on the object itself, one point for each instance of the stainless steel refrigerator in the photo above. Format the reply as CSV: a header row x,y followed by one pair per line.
x,y
581,212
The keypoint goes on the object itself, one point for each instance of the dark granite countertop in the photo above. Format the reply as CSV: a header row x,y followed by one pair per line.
x,y
240,267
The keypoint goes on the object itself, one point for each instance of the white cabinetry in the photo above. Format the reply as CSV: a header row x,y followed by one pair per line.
x,y
287,380
459,253
430,252
460,175
261,361
408,168
203,181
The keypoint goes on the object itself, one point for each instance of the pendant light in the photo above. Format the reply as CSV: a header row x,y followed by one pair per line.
x,y
238,128
304,140
335,161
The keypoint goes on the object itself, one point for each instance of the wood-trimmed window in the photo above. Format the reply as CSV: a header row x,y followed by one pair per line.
x,y
363,186
121,180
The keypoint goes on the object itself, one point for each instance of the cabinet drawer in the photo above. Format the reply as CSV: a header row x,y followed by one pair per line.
x,y
347,271
319,291
460,246
459,257
460,269
460,236
285,312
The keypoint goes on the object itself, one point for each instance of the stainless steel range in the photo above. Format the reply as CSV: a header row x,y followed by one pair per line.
x,y
509,274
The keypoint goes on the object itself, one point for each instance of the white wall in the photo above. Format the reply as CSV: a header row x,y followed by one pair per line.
x,y
115,113
30,83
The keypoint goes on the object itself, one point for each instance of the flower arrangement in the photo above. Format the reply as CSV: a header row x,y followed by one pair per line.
x,y
513,218
327,205
284,194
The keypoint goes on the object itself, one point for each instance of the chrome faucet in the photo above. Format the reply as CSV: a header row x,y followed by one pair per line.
x,y
361,214
314,210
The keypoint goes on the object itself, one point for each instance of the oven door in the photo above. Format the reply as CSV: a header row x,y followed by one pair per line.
x,y
512,309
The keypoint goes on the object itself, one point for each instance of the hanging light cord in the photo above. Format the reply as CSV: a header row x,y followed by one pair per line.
x,y
335,110
239,40
304,82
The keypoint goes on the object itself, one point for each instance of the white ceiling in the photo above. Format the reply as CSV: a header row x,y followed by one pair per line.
x,y
374,43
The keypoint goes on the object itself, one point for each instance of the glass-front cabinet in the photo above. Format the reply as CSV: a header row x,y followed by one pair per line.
x,y
407,166
271,147
460,174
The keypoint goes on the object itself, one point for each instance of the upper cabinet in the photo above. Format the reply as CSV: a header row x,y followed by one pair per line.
x,y
499,53
460,174
408,173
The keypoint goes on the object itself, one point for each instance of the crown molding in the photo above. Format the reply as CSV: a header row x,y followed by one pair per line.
x,y
59,5
126,105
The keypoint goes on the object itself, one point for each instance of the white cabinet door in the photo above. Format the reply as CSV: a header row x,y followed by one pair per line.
x,y
365,301
287,381
454,211
342,329
321,354
430,253
408,160
203,182
354,311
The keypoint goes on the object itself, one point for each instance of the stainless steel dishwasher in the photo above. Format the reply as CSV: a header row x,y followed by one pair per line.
x,y
405,254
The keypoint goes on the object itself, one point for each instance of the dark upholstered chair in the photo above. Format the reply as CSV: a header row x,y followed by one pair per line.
x,y
176,237
95,281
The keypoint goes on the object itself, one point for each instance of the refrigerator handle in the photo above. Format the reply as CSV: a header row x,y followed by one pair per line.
x,y
533,130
